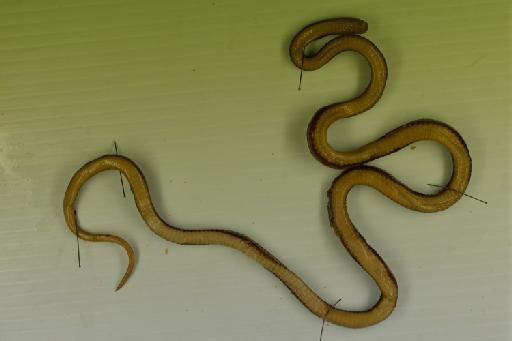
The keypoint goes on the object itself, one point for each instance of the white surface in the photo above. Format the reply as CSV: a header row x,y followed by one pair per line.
x,y
203,97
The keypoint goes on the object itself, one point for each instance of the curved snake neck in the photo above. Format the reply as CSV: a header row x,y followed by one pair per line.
x,y
347,31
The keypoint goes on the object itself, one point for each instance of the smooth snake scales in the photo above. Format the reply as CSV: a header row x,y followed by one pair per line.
x,y
347,32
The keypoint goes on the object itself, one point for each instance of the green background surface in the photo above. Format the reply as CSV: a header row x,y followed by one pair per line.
x,y
203,96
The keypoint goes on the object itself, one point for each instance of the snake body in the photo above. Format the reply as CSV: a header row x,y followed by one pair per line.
x,y
347,31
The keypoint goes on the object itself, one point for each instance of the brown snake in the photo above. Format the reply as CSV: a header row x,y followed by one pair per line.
x,y
347,31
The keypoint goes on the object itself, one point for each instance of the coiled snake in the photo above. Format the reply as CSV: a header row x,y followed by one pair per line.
x,y
348,38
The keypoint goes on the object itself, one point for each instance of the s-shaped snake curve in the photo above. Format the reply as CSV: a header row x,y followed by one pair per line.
x,y
347,31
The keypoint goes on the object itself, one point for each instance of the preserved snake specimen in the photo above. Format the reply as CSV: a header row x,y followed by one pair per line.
x,y
347,38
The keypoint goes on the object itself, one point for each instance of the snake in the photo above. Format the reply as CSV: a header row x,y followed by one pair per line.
x,y
346,36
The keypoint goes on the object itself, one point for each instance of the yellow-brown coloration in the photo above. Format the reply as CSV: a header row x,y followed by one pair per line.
x,y
347,31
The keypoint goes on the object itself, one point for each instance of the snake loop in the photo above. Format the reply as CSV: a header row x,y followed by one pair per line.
x,y
347,31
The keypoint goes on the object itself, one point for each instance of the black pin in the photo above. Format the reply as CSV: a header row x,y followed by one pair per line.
x,y
120,175
77,243
301,68
323,321
467,195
